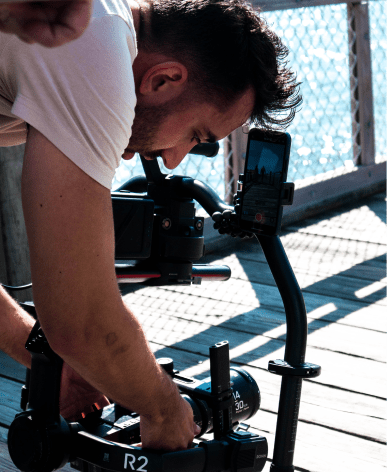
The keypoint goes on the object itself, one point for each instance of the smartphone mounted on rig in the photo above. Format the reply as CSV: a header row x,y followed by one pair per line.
x,y
262,189
159,240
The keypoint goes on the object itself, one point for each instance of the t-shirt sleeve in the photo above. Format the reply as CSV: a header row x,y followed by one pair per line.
x,y
81,96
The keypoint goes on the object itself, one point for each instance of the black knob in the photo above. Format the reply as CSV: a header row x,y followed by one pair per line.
x,y
167,364
217,216
38,447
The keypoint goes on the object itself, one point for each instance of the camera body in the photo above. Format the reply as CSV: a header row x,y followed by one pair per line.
x,y
158,231
158,235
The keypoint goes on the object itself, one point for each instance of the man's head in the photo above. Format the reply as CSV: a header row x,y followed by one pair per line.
x,y
196,54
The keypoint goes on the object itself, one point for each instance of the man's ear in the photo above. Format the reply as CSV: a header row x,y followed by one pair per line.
x,y
163,82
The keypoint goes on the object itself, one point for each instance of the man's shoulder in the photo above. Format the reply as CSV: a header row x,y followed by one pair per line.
x,y
119,8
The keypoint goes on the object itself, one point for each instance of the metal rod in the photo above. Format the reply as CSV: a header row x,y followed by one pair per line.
x,y
296,324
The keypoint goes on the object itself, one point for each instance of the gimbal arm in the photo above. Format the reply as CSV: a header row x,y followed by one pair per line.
x,y
187,187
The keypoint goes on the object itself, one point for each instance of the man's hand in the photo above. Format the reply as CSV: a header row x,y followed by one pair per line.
x,y
77,396
50,23
175,433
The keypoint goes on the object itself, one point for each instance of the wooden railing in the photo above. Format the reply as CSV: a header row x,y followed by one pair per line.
x,y
324,191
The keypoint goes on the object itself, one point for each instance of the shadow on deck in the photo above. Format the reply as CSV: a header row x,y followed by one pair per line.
x,y
339,261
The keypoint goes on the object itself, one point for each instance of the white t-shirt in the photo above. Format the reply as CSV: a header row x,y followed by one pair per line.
x,y
80,96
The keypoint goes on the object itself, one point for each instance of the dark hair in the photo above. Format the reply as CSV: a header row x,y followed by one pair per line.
x,y
227,47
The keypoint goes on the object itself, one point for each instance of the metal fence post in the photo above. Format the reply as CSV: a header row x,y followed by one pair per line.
x,y
234,155
363,134
13,232
3,266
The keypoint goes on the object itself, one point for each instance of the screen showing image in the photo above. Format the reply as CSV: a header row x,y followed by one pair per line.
x,y
265,155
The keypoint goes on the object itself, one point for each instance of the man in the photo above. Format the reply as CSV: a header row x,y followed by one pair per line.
x,y
50,23
193,71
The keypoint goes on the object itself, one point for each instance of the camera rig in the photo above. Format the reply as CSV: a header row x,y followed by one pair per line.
x,y
158,239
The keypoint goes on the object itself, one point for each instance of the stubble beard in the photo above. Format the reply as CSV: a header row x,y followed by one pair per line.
x,y
145,128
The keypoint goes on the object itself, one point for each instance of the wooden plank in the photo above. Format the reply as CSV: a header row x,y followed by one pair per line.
x,y
321,450
303,262
3,434
336,250
10,368
249,349
224,300
356,216
6,463
357,225
9,400
351,284
322,335
334,189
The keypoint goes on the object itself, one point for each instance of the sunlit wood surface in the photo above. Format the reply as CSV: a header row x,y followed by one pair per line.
x,y
339,261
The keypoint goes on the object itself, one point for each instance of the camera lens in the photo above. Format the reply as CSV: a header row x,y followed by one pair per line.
x,y
247,400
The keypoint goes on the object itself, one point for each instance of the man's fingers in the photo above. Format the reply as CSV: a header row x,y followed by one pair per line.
x,y
71,21
50,23
197,429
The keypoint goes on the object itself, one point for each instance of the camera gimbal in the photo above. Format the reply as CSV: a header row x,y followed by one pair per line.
x,y
158,238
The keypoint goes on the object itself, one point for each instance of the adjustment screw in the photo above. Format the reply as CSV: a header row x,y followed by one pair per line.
x,y
217,216
199,225
166,363
166,223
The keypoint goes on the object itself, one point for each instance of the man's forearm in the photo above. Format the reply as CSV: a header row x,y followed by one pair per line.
x,y
111,352
16,325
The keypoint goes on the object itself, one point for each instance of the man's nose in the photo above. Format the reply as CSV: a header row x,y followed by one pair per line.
x,y
173,156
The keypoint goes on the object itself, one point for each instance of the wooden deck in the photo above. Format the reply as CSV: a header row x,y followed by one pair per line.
x,y
339,260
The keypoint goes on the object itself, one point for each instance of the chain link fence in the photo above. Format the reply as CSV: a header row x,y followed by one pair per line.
x,y
378,27
319,40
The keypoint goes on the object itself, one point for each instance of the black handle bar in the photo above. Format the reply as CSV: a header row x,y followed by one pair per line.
x,y
206,149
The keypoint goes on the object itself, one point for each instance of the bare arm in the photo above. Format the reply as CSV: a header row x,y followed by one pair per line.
x,y
16,325
50,23
76,395
70,231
